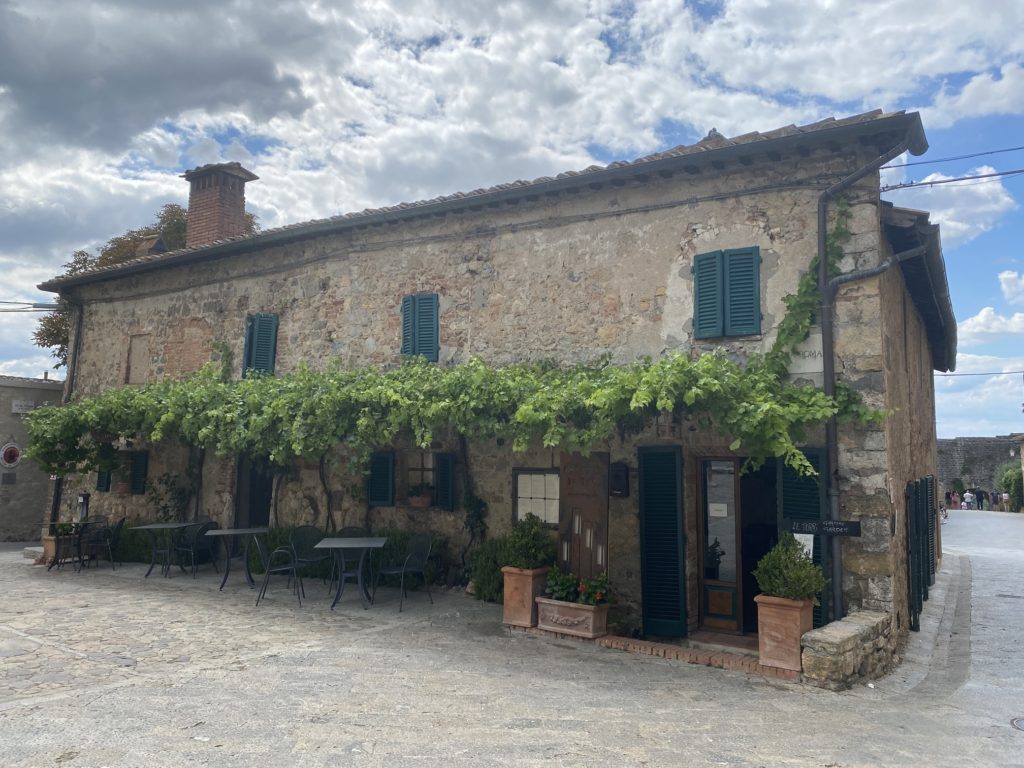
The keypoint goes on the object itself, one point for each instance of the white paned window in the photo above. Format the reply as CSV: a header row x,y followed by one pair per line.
x,y
537,492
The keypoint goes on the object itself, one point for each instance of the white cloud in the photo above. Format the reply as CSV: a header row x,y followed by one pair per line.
x,y
1012,284
987,325
965,209
984,94
976,406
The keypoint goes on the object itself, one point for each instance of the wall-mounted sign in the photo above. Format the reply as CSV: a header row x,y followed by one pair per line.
x,y
822,527
10,455
23,406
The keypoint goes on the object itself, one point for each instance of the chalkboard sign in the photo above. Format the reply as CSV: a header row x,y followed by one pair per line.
x,y
823,527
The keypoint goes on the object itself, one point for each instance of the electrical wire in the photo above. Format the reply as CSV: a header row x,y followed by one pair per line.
x,y
916,184
951,159
999,373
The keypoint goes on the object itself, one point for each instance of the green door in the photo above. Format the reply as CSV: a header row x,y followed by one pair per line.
x,y
803,498
661,541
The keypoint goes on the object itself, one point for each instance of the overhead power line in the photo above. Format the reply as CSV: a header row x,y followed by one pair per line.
x,y
957,157
994,373
915,184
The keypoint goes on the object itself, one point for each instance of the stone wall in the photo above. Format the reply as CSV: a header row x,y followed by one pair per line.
x,y
858,648
24,488
975,460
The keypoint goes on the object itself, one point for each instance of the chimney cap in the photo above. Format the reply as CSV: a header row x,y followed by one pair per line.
x,y
235,169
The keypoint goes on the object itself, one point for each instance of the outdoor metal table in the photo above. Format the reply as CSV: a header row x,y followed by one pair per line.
x,y
249,535
364,544
155,530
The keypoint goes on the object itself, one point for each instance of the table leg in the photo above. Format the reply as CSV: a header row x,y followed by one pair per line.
x,y
152,553
364,593
245,559
227,560
341,576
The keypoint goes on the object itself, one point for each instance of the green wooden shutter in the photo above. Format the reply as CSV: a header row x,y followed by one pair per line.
x,y
103,480
260,343
742,268
408,305
137,471
661,541
708,300
380,487
444,487
427,337
803,498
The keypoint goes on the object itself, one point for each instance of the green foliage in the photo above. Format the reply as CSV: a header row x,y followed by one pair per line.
x,y
788,571
169,496
713,554
1010,479
571,589
485,564
530,544
958,486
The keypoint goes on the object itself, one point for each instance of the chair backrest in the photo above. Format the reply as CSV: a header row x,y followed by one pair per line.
x,y
114,533
304,538
201,540
418,549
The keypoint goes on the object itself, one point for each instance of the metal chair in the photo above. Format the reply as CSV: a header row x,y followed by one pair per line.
x,y
113,539
281,560
303,541
91,540
417,552
194,541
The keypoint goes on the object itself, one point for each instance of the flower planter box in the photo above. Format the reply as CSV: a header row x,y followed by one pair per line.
x,y
577,619
780,625
522,587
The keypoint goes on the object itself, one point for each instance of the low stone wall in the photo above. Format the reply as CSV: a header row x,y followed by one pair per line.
x,y
858,647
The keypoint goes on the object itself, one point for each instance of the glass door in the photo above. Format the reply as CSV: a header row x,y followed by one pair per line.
x,y
721,587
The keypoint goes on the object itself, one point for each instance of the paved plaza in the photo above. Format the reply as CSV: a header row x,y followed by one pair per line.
x,y
105,668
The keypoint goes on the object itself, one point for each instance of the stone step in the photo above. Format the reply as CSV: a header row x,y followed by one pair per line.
x,y
32,553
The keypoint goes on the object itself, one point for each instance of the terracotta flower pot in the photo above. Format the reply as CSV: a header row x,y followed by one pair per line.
x,y
421,501
572,618
780,625
522,587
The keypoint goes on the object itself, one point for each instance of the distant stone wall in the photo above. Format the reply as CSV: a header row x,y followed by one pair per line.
x,y
974,460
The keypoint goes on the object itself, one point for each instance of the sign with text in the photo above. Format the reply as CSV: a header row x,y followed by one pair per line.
x,y
822,527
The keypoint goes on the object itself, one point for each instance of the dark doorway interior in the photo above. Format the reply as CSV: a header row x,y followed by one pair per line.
x,y
253,495
758,530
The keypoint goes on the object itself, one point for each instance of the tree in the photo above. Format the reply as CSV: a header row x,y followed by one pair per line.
x,y
53,329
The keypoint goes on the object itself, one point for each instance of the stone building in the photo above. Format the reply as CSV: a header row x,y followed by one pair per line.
x,y
975,461
24,489
683,251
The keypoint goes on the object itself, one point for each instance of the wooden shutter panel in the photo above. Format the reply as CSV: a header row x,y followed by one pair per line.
x,y
444,487
138,470
661,542
426,337
742,267
103,480
380,487
708,300
264,345
408,304
803,498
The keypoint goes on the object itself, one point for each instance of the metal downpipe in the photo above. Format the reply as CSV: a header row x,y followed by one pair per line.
x,y
828,360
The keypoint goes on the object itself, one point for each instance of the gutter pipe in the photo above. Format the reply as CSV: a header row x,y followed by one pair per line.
x,y
828,358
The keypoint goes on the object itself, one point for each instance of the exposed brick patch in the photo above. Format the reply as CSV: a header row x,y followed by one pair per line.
x,y
735,662
188,346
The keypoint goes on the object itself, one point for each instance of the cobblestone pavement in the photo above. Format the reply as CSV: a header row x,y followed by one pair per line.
x,y
105,668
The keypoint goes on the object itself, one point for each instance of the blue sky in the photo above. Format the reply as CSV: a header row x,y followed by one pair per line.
x,y
340,106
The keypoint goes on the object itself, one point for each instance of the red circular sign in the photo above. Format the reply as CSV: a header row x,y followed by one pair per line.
x,y
10,455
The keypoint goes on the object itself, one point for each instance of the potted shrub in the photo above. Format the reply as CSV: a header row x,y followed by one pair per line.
x,y
712,559
528,554
421,495
789,583
574,606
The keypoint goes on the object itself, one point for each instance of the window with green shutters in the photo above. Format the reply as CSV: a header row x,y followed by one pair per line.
x,y
137,471
420,333
380,485
727,293
260,343
103,480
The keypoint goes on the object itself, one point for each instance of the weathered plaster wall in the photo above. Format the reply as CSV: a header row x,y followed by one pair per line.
x,y
24,488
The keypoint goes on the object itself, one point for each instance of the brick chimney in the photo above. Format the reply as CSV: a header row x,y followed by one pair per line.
x,y
216,202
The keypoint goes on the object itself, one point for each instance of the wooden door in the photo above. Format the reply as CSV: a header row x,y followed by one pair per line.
x,y
583,514
721,583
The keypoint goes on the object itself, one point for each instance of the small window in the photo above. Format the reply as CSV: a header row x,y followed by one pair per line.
x,y
537,492
420,468
380,485
437,470
727,293
103,480
260,343
137,471
420,334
